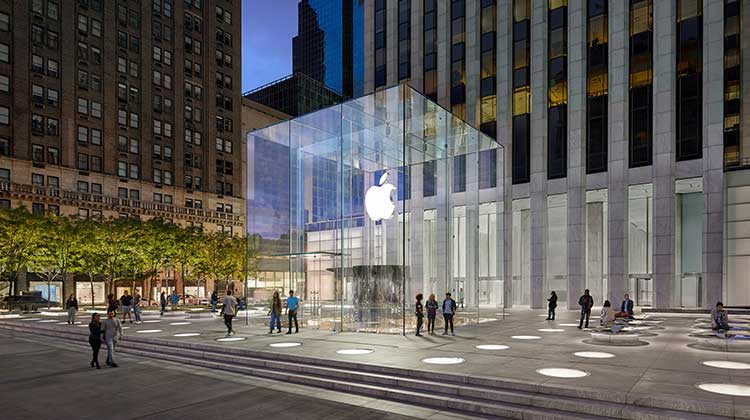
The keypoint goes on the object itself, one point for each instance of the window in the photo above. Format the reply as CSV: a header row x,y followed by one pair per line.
x,y
96,28
83,186
134,171
37,123
53,155
122,169
4,147
53,126
167,177
52,10
96,188
732,83
37,208
134,146
4,53
521,100
596,87
96,164
4,22
37,180
4,175
83,162
4,115
52,68
122,193
53,39
83,24
641,76
37,94
53,182
96,136
83,106
96,109
53,97
689,79
37,63
37,34
557,94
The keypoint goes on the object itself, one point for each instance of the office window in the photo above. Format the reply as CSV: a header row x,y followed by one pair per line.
x,y
429,178
83,186
37,63
404,39
4,115
380,43
53,155
37,123
4,175
488,60
83,162
53,97
52,68
4,53
4,146
96,188
122,169
596,86
641,77
96,136
53,182
53,126
458,58
689,79
83,106
732,83
37,180
4,22
521,101
134,171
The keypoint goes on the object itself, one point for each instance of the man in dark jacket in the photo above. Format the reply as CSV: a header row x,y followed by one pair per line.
x,y
626,308
586,302
449,309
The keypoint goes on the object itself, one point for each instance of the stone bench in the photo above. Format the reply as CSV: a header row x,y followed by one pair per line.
x,y
731,341
624,338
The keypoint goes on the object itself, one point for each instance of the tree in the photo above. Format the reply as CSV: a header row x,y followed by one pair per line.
x,y
115,240
60,248
217,259
90,262
158,245
20,239
187,241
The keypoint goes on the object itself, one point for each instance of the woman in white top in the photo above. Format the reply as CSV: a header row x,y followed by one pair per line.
x,y
608,314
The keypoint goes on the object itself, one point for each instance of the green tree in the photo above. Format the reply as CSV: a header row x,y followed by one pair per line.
x,y
59,250
217,259
158,245
185,258
20,239
115,240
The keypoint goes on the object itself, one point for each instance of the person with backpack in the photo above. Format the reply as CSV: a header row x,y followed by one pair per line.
x,y
551,305
419,313
449,309
229,310
586,302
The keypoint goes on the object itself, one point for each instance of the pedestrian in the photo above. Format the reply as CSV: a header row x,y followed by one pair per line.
x,y
419,313
551,305
95,339
126,302
112,331
432,306
111,303
586,302
163,302
719,318
229,310
292,304
137,307
72,306
214,300
275,312
449,309
174,299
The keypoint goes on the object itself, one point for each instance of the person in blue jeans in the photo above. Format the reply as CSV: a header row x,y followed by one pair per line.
x,y
214,300
449,309
275,312
292,304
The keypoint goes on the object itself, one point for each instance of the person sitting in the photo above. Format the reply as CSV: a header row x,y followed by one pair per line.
x,y
719,318
608,315
626,309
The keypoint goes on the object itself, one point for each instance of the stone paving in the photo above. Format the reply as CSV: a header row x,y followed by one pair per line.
x,y
667,366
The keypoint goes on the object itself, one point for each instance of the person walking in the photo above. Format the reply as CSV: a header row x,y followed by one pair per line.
x,y
72,306
586,302
163,302
551,305
112,332
229,310
432,306
111,303
292,304
449,309
137,307
126,302
275,312
419,313
95,339
214,301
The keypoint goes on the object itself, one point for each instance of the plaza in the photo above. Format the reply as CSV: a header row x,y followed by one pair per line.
x,y
522,365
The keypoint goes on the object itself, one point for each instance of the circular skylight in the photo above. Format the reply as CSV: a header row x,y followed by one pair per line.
x,y
568,325
285,345
594,354
492,347
147,331
725,364
231,339
353,352
735,390
551,330
48,320
526,337
30,319
187,334
180,323
443,360
152,321
562,373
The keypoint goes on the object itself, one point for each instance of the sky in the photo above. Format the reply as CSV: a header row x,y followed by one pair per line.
x,y
267,30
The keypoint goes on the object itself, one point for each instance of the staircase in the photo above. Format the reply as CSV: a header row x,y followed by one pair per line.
x,y
478,397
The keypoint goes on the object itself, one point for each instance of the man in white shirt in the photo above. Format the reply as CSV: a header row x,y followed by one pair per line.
x,y
229,310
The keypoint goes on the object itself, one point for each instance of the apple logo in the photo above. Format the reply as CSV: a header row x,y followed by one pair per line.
x,y
378,200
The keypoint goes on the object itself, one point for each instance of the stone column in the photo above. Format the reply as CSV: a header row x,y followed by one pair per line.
x,y
594,266
576,232
538,186
391,42
663,168
504,135
617,172
713,151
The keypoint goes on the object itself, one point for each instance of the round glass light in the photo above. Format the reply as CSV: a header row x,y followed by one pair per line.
x,y
594,354
147,331
5,316
152,321
568,325
725,364
197,309
443,360
492,347
83,325
735,390
353,352
550,330
125,328
30,319
47,320
562,373
231,339
65,323
284,345
187,334
180,323
526,337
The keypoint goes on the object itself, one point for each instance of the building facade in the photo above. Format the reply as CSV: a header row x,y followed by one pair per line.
x,y
122,108
294,95
624,129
